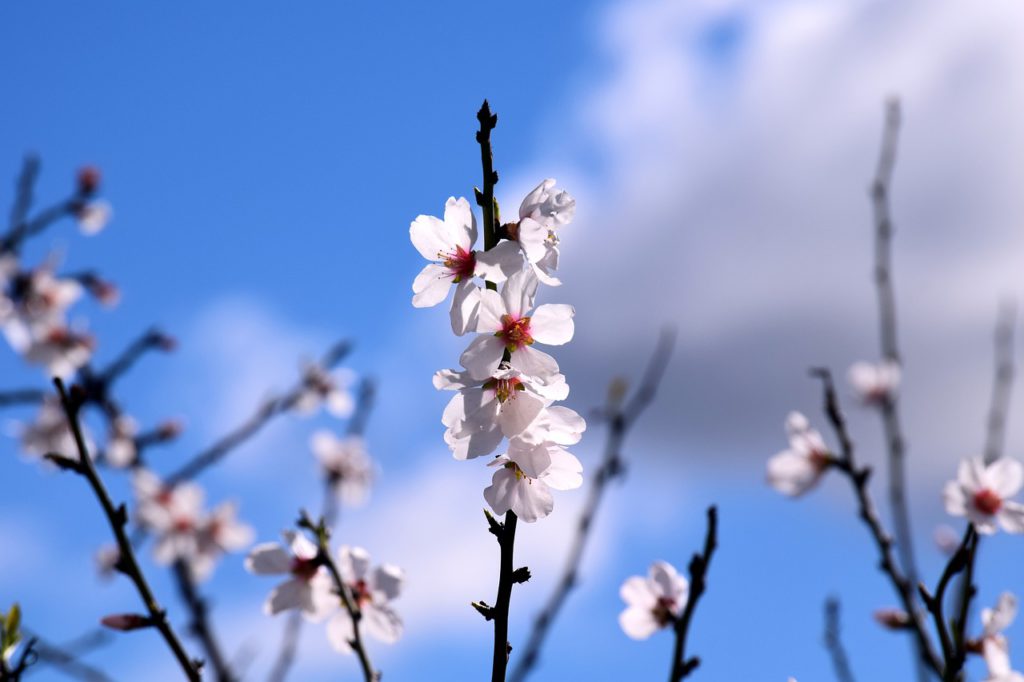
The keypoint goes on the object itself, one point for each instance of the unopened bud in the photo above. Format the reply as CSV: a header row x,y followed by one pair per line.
x,y
88,179
170,429
167,343
894,619
125,622
107,293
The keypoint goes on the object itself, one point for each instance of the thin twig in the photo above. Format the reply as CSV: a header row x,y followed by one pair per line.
x,y
65,657
699,564
268,410
858,477
152,339
200,625
21,396
952,663
620,420
880,192
834,642
1002,381
24,191
118,518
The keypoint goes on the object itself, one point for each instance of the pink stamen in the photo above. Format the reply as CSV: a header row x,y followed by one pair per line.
x,y
987,501
460,264
515,332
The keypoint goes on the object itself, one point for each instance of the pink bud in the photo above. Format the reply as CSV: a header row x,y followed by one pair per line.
x,y
88,179
894,619
171,428
126,621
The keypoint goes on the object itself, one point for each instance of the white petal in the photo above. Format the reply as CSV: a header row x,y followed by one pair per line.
x,y
954,499
430,236
340,632
1006,476
353,563
668,583
791,474
388,580
300,545
638,623
465,307
431,286
565,472
998,619
1011,517
450,380
460,221
552,324
533,459
482,356
491,310
518,412
500,263
636,592
532,237
529,360
291,594
268,558
382,622
530,500
518,292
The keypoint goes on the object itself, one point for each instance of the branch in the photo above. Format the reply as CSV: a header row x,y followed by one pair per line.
x,y
21,396
118,518
858,477
200,623
954,651
681,665
65,657
620,420
834,643
24,191
264,414
1002,381
152,339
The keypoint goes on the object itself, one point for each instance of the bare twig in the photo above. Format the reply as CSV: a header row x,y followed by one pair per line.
x,y
953,639
620,420
118,518
834,643
271,408
699,564
65,657
858,477
21,396
200,625
1002,382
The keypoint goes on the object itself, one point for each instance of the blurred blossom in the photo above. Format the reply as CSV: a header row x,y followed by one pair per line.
x,y
309,587
994,646
60,351
373,592
981,493
875,383
121,450
795,471
218,533
652,602
93,216
346,464
329,389
49,432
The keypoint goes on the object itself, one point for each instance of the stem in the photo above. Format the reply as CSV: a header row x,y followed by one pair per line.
x,y
118,518
834,643
620,420
858,477
1002,381
699,563
21,396
200,625
506,541
485,199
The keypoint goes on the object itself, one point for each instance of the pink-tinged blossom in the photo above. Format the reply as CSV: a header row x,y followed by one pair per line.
x,y
981,493
60,351
37,300
217,533
308,588
994,646
121,450
543,210
652,602
798,469
171,512
448,244
93,216
330,389
506,324
483,411
526,475
875,382
49,432
373,592
346,465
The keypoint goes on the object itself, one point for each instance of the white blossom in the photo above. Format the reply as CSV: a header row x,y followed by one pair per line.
x,y
346,464
448,244
542,211
373,592
330,389
994,646
121,450
216,534
60,351
652,602
308,588
505,324
981,493
875,382
93,216
527,474
50,432
798,469
171,512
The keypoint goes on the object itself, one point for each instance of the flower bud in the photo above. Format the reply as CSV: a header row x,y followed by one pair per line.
x,y
126,622
88,179
894,619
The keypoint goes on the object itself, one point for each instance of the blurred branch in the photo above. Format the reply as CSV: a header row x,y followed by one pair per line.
x,y
880,193
23,396
953,639
1002,382
620,419
834,643
699,564
117,519
64,657
200,625
270,408
151,339
24,189
858,477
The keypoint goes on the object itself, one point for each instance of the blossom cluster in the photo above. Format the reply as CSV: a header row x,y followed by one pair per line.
x,y
507,387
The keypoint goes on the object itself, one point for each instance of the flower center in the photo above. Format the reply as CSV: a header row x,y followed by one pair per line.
x,y
515,332
664,610
361,591
182,525
461,263
304,569
505,389
987,501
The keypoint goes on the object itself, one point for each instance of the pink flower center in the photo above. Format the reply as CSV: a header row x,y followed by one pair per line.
x,y
304,569
664,610
182,524
515,332
361,591
461,264
987,501
505,389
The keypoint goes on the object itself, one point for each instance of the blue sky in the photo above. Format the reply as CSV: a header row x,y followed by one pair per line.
x,y
264,164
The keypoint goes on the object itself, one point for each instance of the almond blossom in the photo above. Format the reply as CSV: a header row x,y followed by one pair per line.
x,y
981,493
171,512
308,588
542,211
37,300
93,216
875,383
505,324
218,533
795,471
49,432
373,592
346,465
994,646
503,405
330,389
652,602
448,244
527,474
60,351
121,450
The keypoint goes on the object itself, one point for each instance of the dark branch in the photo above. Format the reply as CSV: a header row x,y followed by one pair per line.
x,y
200,625
620,419
23,396
699,564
